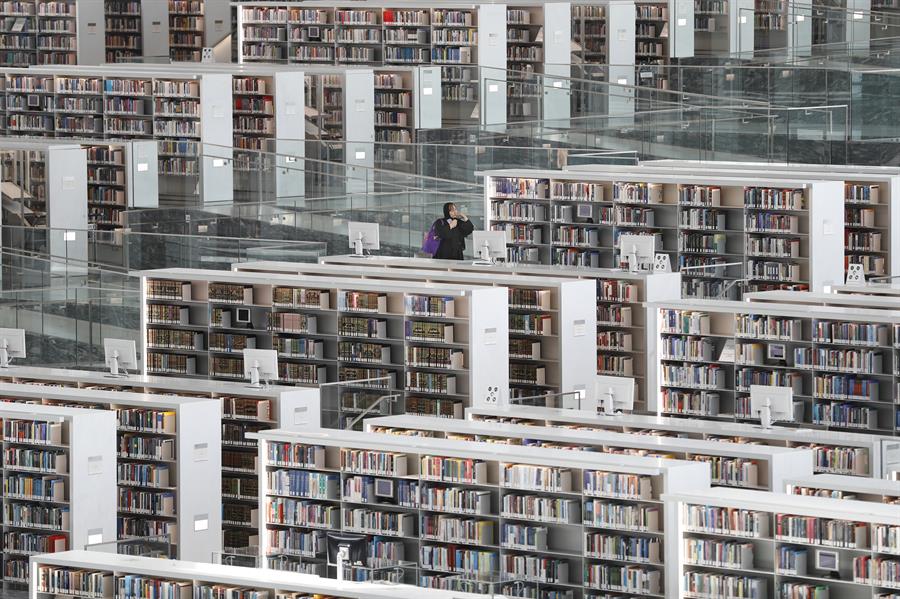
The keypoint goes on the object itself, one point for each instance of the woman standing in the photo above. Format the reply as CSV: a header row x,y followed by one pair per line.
x,y
452,230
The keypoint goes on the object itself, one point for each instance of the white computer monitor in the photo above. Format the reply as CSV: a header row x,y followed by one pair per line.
x,y
260,364
12,345
637,251
770,404
828,560
120,356
489,245
363,236
614,394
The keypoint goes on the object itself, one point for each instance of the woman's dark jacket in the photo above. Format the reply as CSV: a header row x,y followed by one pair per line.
x,y
453,241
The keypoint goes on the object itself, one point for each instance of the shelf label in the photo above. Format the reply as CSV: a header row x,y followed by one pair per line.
x,y
301,415
156,26
493,88
427,91
360,155
92,28
95,465
68,183
201,522
623,35
201,452
69,236
682,22
490,336
143,167
95,536
492,39
578,328
290,108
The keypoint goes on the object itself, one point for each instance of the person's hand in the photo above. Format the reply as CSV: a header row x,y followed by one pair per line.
x,y
462,216
452,223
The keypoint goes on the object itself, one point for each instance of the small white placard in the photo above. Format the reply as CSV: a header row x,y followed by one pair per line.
x,y
143,167
743,20
218,111
202,228
218,162
557,84
201,452
360,155
727,354
69,236
801,18
95,465
427,91
493,88
219,24
360,105
622,35
682,22
68,183
290,108
301,415
490,336
578,328
92,28
201,523
492,39
857,16
94,537
156,26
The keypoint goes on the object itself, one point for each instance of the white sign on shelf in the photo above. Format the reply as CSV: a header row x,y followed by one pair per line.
x,y
490,336
579,328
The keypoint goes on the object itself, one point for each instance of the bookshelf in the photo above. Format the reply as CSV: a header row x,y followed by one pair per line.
x,y
51,32
603,34
731,464
846,487
389,35
782,25
775,543
871,198
844,453
332,329
549,349
123,30
188,115
620,298
167,462
436,479
723,27
721,225
102,573
406,99
45,185
120,176
243,409
58,482
838,361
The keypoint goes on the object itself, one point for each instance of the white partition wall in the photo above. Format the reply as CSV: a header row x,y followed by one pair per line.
x,y
90,21
359,129
216,139
66,203
290,128
142,174
155,29
620,26
427,85
681,28
492,65
557,63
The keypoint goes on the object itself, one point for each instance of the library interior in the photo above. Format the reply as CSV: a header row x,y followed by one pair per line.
x,y
428,299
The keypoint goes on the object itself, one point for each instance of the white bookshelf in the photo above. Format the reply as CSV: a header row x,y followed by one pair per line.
x,y
846,487
104,571
327,340
871,199
723,27
776,542
573,481
720,223
187,114
45,185
620,299
38,32
243,409
839,361
69,451
741,465
196,24
551,348
168,459
845,453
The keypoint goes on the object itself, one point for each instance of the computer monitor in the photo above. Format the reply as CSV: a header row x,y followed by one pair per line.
x,y
120,356
614,393
384,487
242,315
489,246
771,403
637,251
12,345
828,560
346,549
260,364
363,236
